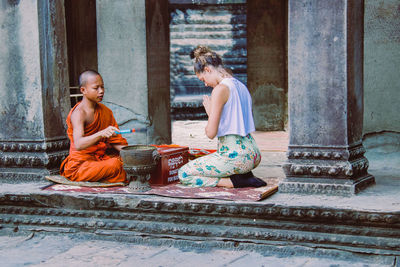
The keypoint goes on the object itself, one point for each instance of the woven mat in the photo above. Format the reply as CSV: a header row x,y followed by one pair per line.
x,y
177,190
58,179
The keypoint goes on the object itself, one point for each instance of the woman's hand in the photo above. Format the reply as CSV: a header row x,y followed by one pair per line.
x,y
207,104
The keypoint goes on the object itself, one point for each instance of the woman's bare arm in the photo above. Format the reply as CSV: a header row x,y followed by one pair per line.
x,y
214,106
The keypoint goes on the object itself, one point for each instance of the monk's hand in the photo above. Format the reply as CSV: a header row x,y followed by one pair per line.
x,y
108,132
207,103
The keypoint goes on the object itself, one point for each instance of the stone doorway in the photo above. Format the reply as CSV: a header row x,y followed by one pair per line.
x,y
251,36
80,20
220,26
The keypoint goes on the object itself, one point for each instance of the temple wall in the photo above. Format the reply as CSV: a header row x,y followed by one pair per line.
x,y
267,62
133,58
381,66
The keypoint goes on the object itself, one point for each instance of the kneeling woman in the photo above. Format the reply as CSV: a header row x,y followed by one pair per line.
x,y
230,118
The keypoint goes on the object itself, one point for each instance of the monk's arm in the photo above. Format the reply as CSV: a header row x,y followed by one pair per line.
x,y
81,142
118,147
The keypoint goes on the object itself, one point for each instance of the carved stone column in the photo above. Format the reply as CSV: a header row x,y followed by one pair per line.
x,y
34,97
133,58
326,154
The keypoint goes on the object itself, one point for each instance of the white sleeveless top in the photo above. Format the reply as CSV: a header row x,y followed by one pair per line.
x,y
237,116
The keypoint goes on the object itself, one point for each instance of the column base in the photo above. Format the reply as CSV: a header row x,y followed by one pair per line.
x,y
327,186
27,161
21,175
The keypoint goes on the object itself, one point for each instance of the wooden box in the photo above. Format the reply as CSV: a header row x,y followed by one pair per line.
x,y
171,159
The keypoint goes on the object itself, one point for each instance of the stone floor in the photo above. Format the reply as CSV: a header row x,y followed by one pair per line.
x,y
191,133
47,250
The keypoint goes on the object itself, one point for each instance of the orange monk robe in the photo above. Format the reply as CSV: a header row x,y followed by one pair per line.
x,y
93,164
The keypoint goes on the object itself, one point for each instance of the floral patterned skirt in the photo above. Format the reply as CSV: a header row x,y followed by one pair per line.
x,y
235,155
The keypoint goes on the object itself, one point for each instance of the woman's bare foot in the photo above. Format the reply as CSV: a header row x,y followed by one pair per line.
x,y
225,182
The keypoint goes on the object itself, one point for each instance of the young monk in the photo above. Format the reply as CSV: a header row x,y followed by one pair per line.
x,y
230,118
91,130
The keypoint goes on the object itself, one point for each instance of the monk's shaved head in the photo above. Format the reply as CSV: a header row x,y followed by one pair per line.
x,y
83,78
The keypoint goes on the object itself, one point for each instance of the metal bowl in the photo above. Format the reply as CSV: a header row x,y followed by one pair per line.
x,y
137,155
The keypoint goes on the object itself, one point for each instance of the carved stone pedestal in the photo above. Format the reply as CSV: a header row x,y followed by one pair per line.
x,y
25,161
139,177
337,171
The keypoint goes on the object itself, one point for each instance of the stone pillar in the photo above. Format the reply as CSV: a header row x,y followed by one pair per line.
x,y
133,58
34,97
267,62
325,50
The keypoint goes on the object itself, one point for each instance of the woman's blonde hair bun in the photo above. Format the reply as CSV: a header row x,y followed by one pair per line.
x,y
204,56
201,50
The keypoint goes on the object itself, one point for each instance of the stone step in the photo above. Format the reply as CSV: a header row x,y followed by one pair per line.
x,y
207,27
250,225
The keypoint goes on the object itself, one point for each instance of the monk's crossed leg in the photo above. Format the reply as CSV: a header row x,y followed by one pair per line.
x,y
109,170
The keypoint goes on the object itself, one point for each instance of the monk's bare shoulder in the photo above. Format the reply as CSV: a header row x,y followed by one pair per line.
x,y
78,116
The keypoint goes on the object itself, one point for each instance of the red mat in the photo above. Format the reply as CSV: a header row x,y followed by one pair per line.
x,y
179,191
